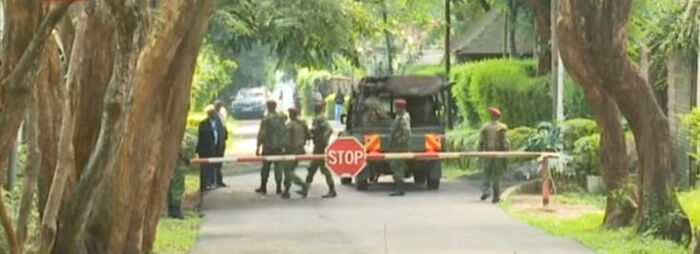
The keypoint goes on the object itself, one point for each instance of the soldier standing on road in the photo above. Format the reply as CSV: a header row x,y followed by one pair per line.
x,y
321,134
400,141
297,133
493,138
270,141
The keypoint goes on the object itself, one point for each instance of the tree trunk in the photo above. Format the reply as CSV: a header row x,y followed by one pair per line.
x,y
177,85
66,156
16,83
512,24
543,24
593,36
33,153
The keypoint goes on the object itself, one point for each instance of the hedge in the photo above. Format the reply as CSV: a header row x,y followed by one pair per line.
x,y
574,129
511,85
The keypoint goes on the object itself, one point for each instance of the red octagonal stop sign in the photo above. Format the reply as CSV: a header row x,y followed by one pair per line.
x,y
346,156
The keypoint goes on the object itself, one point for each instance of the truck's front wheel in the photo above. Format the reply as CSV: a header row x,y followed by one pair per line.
x,y
433,184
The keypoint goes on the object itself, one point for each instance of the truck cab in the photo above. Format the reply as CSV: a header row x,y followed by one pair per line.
x,y
371,113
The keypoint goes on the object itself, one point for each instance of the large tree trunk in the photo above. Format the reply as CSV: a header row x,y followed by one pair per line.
x,y
543,26
593,36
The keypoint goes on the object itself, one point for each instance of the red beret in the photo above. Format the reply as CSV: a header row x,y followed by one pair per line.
x,y
494,111
293,110
271,103
400,102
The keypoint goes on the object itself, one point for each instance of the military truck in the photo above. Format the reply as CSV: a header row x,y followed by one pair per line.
x,y
371,112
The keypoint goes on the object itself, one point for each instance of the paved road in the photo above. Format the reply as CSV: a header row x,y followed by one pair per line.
x,y
450,220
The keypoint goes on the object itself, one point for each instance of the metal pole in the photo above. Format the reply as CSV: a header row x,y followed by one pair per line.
x,y
555,60
387,36
560,89
448,28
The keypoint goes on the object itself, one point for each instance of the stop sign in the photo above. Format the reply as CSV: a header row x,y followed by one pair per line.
x,y
346,156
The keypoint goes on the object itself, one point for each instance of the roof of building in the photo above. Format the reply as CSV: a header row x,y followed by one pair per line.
x,y
486,36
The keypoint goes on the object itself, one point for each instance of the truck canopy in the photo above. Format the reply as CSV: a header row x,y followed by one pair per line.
x,y
405,86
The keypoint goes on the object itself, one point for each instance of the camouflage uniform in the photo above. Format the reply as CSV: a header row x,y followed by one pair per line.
x,y
321,134
493,138
177,186
271,135
400,141
297,133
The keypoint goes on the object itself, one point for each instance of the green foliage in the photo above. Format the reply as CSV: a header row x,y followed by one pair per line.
x,y
512,86
692,121
300,32
547,138
574,129
506,84
212,75
307,81
586,155
518,137
691,206
575,102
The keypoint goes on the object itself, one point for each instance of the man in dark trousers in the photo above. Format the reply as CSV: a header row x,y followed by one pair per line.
x,y
210,140
221,114
270,141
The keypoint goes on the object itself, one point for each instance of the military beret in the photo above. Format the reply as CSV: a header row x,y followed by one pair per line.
x,y
400,102
494,111
271,103
293,110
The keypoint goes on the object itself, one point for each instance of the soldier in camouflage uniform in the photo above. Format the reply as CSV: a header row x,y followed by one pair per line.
x,y
177,186
270,136
296,135
400,141
493,138
321,134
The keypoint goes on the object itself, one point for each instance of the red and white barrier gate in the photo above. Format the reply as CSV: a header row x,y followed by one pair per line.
x,y
542,157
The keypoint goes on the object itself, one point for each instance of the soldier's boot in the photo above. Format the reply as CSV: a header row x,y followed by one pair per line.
x,y
262,189
331,193
484,196
175,212
285,195
279,188
496,196
304,191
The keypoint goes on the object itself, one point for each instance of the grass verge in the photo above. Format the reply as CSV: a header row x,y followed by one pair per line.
x,y
178,236
587,229
454,171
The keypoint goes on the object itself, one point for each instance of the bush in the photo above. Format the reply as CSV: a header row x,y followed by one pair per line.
x,y
585,155
511,85
517,137
504,83
574,129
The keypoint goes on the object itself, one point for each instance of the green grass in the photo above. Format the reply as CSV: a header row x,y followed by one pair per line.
x,y
587,228
177,236
690,201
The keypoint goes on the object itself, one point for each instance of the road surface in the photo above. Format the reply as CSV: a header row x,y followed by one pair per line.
x,y
450,220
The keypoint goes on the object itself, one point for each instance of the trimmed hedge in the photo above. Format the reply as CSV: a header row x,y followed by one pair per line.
x,y
511,85
574,129
585,155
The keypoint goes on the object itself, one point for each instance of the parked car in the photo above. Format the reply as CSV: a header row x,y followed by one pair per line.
x,y
249,103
